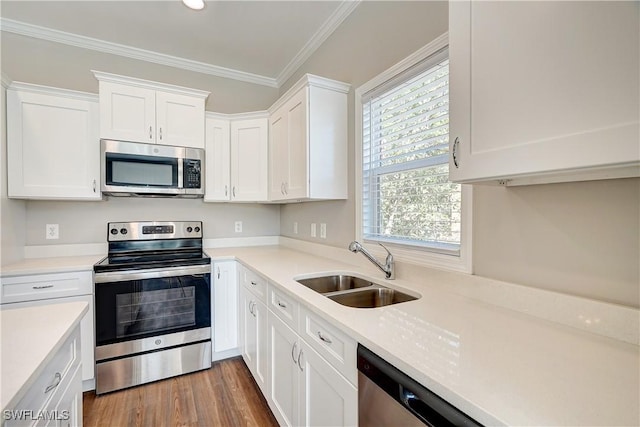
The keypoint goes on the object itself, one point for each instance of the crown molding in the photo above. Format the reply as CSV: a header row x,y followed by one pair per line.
x,y
237,116
48,34
310,80
329,26
53,91
147,84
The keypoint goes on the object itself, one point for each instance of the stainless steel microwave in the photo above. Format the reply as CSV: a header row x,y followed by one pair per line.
x,y
151,170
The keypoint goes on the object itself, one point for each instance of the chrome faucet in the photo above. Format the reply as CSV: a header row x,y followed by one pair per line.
x,y
387,267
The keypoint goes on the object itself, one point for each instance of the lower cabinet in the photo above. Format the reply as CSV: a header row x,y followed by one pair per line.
x,y
224,310
305,389
253,336
55,398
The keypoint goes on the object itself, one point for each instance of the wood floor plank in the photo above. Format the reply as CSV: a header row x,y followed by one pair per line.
x,y
225,395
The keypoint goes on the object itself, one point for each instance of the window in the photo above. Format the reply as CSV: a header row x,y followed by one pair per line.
x,y
405,198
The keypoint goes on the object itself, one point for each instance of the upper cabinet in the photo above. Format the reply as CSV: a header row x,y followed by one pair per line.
x,y
308,142
543,91
156,113
236,157
53,147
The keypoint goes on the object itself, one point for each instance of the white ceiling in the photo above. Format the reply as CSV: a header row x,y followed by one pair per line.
x,y
257,41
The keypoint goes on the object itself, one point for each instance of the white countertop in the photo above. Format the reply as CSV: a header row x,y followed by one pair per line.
x,y
503,353
498,365
30,337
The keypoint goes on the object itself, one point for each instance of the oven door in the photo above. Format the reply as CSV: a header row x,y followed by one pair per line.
x,y
133,306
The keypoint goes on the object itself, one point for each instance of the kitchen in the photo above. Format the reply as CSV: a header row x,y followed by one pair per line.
x,y
563,239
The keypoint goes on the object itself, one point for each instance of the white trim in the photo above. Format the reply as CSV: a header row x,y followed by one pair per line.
x,y
310,80
234,242
237,116
148,84
84,42
222,355
462,263
53,91
323,33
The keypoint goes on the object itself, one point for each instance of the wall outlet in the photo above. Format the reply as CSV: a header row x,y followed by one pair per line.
x,y
52,231
238,227
323,230
313,229
295,228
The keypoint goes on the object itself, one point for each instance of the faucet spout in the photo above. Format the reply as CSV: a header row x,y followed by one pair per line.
x,y
388,268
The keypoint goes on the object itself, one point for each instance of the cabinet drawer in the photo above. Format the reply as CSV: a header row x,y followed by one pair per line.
x,y
334,345
63,364
284,306
45,286
255,283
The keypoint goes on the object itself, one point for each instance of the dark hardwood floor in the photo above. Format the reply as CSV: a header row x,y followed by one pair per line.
x,y
225,395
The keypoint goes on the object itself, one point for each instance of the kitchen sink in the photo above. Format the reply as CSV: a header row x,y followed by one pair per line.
x,y
333,283
370,298
355,291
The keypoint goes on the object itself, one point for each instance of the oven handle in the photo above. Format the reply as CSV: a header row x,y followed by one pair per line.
x,y
152,273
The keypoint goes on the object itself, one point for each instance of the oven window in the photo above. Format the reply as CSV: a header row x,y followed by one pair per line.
x,y
155,311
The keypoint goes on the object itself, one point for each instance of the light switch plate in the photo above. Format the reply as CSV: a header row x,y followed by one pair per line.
x,y
323,230
313,229
238,226
295,228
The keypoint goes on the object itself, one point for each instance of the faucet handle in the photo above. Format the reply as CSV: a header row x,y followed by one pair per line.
x,y
389,256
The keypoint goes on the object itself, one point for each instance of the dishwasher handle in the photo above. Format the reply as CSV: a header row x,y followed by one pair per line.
x,y
420,409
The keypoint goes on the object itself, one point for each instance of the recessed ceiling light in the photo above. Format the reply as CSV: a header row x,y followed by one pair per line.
x,y
194,4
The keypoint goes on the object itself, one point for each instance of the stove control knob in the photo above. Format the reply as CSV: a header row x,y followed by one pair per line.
x,y
123,231
197,229
189,229
114,231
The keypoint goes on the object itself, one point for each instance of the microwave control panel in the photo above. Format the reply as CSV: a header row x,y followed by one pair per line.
x,y
192,174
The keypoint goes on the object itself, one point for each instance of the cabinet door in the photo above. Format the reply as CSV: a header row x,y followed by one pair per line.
x,y
225,306
217,161
542,87
278,159
127,113
297,178
248,330
249,159
179,120
262,347
53,148
328,399
284,393
87,343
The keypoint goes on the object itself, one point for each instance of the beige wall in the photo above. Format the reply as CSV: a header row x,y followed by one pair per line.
x,y
577,238
12,212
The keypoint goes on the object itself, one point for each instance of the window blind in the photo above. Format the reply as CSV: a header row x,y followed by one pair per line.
x,y
407,196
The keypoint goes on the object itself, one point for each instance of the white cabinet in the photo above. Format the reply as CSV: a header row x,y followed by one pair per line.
x,y
224,307
45,289
57,391
53,148
544,91
253,335
236,158
156,113
308,142
305,389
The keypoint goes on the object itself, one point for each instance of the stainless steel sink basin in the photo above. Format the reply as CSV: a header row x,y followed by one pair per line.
x,y
333,283
355,291
370,298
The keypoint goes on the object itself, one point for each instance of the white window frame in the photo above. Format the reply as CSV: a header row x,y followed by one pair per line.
x,y
411,253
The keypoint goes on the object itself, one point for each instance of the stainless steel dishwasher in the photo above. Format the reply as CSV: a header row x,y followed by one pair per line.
x,y
388,397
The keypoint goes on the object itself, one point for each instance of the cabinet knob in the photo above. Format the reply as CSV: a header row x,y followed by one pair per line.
x,y
282,305
454,153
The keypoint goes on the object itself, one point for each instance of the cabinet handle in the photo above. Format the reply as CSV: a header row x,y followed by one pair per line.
x,y
226,190
286,188
281,304
160,134
150,133
43,287
293,350
323,338
94,185
56,382
454,154
282,188
251,305
300,357
233,191
254,283
218,272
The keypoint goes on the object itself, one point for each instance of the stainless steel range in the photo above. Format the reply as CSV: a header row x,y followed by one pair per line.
x,y
152,304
